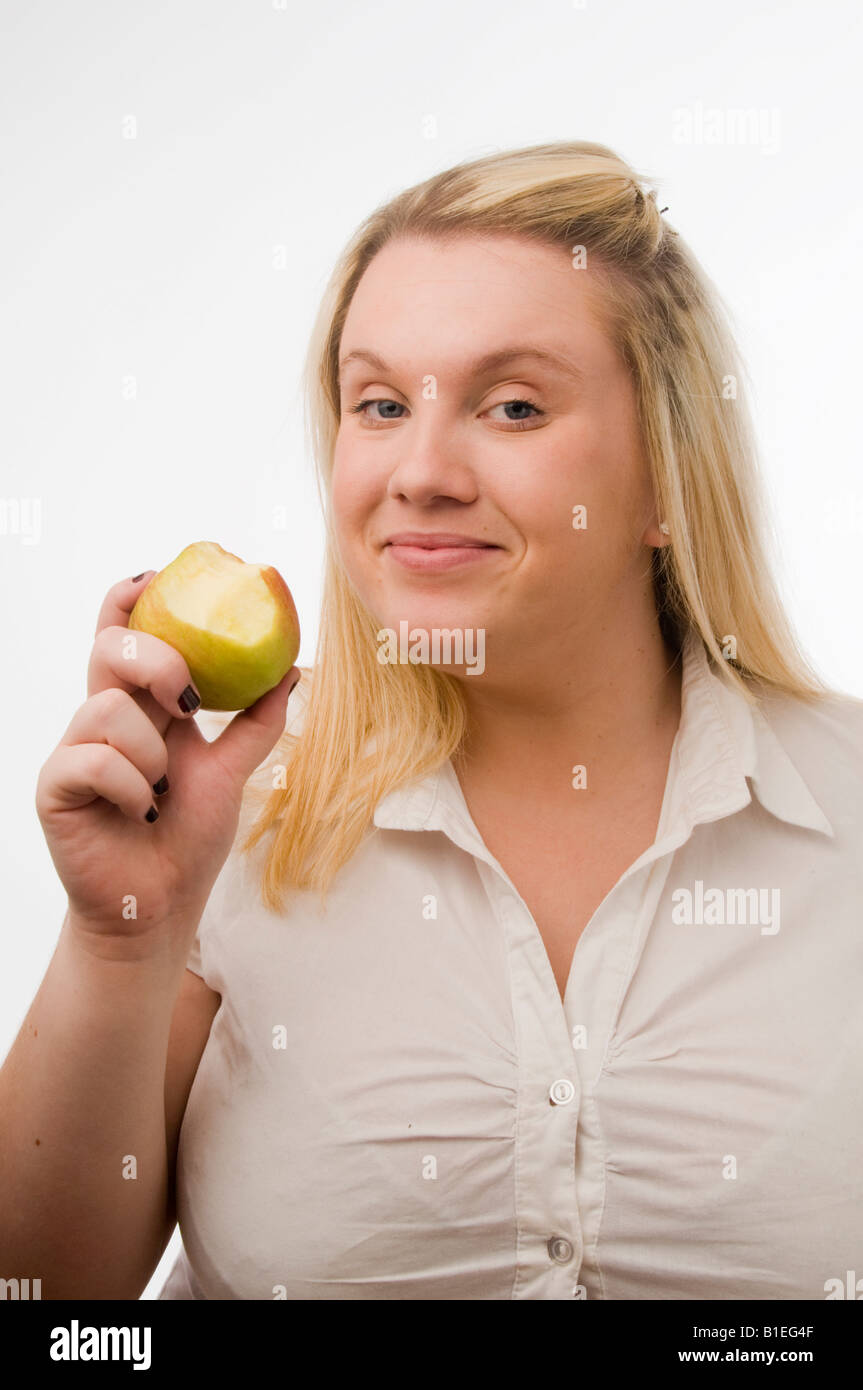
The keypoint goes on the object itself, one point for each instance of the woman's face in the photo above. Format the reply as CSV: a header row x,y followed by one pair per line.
x,y
449,444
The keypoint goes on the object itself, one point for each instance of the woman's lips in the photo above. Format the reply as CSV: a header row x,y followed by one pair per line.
x,y
441,557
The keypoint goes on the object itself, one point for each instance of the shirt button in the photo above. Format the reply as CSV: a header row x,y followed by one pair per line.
x,y
561,1092
560,1250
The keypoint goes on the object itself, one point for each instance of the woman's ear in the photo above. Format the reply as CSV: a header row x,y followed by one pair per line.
x,y
657,534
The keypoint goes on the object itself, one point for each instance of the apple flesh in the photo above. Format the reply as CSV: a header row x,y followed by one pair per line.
x,y
234,623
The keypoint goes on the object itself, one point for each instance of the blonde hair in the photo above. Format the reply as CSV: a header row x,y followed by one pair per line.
x,y
669,325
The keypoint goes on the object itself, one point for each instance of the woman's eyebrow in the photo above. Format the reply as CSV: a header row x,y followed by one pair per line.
x,y
490,361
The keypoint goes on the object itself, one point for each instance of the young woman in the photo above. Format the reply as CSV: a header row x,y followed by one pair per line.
x,y
526,965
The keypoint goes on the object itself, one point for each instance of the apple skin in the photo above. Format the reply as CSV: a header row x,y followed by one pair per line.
x,y
228,674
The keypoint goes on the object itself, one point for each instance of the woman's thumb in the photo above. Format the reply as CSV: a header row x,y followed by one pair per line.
x,y
253,732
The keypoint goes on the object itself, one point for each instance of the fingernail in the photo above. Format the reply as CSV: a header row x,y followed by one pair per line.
x,y
136,577
293,687
189,700
152,815
161,786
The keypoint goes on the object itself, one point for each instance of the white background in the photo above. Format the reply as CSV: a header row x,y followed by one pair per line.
x,y
191,258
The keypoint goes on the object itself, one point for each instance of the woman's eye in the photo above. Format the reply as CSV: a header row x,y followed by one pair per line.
x,y
389,411
360,409
520,421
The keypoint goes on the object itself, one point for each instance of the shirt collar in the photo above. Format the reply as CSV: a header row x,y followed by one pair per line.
x,y
722,744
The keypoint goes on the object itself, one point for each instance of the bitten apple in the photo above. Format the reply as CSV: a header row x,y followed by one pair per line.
x,y
234,623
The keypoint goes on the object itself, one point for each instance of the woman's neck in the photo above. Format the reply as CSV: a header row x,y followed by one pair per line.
x,y
608,706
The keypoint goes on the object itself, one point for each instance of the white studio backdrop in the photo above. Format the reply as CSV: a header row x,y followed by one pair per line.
x,y
177,180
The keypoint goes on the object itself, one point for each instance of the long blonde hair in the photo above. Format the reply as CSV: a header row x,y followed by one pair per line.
x,y
669,324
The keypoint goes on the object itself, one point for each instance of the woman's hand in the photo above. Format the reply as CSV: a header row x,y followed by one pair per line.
x,y
129,879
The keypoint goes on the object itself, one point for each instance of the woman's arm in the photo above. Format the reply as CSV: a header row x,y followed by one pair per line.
x,y
91,1098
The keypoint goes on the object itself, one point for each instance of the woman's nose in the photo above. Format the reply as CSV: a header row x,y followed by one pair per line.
x,y
431,464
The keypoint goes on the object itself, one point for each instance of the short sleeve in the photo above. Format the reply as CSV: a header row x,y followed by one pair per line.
x,y
211,723
193,960
199,958
236,877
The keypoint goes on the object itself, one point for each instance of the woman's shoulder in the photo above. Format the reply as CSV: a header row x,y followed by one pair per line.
x,y
831,724
823,738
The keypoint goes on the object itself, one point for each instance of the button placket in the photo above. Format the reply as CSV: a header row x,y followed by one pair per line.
x,y
546,1194
561,1093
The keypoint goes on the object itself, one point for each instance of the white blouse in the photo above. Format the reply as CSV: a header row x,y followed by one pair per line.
x,y
393,1103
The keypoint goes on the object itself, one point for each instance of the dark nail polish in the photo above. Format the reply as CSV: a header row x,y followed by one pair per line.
x,y
189,700
136,577
152,815
161,786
